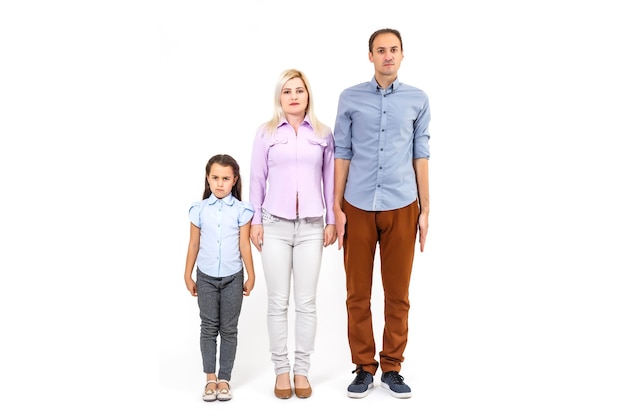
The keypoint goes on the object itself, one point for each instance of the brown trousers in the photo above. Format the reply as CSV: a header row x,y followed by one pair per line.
x,y
395,231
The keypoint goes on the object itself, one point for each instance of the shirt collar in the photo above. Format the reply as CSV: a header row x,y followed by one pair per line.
x,y
283,120
228,200
392,88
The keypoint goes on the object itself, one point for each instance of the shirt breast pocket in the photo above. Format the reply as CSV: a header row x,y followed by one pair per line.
x,y
318,141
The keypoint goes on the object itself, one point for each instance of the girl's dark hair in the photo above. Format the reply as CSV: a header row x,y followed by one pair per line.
x,y
380,32
225,161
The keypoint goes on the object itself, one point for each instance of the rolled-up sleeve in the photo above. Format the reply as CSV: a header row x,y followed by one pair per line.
x,y
343,129
421,136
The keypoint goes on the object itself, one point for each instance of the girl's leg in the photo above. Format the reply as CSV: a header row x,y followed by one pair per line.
x,y
208,303
231,298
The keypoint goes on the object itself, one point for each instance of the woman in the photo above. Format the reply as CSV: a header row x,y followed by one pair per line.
x,y
291,190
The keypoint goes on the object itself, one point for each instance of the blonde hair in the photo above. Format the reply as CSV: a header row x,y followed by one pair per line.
x,y
319,128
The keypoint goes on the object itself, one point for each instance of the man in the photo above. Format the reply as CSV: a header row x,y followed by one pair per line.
x,y
381,197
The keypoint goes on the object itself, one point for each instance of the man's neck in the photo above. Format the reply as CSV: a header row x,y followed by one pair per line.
x,y
384,82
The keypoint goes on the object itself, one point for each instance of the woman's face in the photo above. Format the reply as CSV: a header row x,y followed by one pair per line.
x,y
294,99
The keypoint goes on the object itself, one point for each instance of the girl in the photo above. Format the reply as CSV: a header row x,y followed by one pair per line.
x,y
219,241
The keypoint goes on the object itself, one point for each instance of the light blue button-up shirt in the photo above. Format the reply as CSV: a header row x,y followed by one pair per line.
x,y
219,221
381,131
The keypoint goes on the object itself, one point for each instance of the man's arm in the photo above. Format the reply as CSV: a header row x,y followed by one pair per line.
x,y
421,176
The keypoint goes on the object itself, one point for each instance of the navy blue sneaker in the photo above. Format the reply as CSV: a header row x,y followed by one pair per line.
x,y
362,384
394,382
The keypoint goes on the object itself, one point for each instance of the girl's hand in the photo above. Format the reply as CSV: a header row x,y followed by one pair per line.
x,y
248,286
191,286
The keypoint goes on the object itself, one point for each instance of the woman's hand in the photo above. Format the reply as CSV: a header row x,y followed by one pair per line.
x,y
330,234
256,236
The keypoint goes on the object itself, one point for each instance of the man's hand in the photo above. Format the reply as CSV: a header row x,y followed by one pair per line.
x,y
422,223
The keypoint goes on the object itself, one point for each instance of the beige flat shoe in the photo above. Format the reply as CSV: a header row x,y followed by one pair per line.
x,y
282,393
303,392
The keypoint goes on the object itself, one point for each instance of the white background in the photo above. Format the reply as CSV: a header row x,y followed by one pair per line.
x,y
110,110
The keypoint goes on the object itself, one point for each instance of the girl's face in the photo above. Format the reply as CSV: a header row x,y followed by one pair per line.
x,y
294,98
221,180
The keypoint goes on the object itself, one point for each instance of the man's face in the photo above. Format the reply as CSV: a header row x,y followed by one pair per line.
x,y
386,54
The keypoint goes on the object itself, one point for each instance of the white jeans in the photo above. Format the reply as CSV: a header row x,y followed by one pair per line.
x,y
292,247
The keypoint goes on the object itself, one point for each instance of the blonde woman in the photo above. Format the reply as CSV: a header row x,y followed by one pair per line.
x,y
291,191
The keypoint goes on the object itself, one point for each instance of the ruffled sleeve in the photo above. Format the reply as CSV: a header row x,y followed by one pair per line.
x,y
194,214
246,211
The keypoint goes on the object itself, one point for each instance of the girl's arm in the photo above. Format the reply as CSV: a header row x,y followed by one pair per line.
x,y
246,256
192,255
